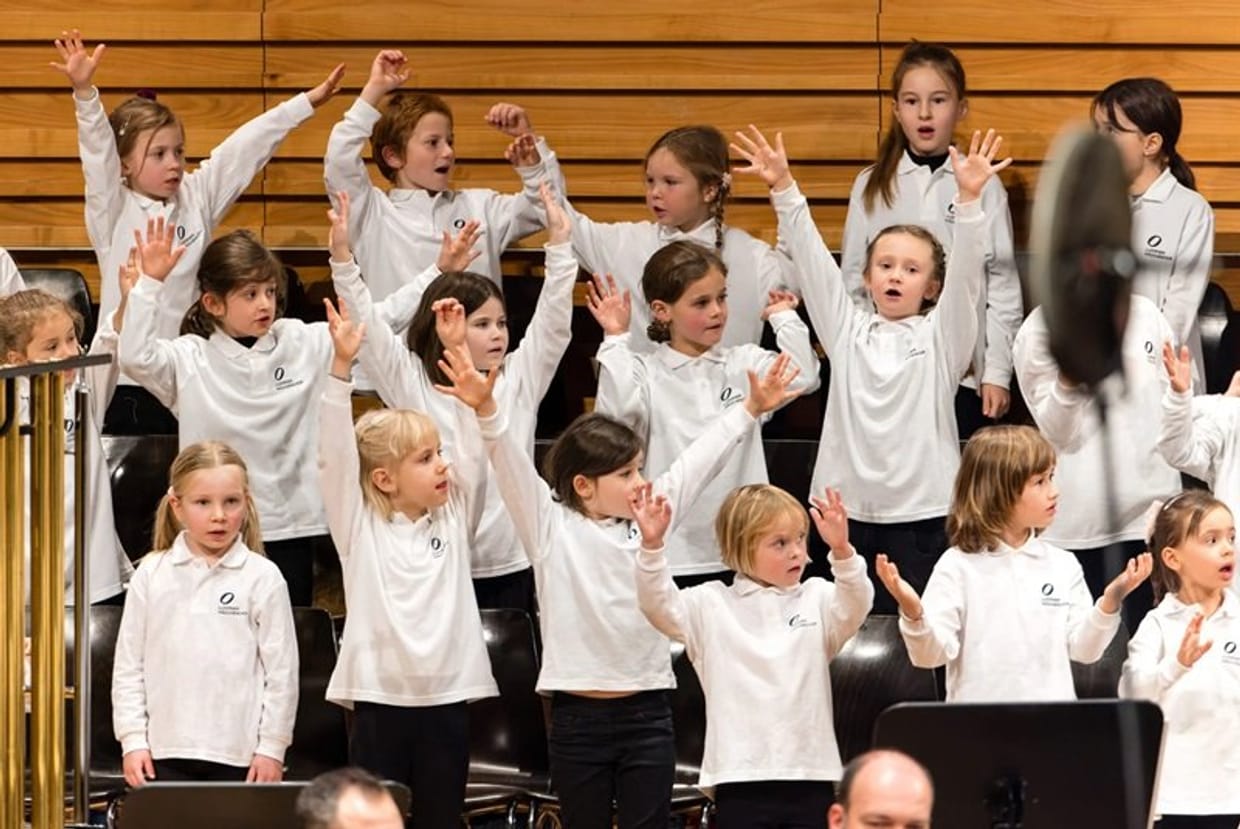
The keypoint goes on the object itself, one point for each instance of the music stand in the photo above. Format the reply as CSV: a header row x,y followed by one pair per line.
x,y
1033,766
213,805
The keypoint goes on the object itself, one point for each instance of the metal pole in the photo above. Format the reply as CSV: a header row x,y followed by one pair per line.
x,y
81,607
12,637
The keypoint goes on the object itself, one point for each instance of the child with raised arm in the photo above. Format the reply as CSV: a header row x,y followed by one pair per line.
x,y
607,669
889,441
134,164
1173,661
398,233
403,520
1004,611
671,396
761,648
205,681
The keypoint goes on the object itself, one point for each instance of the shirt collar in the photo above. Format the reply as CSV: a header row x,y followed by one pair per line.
x,y
1032,546
401,194
234,350
1172,606
703,234
1160,189
674,359
156,206
743,585
233,559
908,165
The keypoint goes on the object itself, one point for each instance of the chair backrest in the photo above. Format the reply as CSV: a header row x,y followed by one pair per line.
x,y
1212,316
689,716
1100,680
871,673
69,285
139,479
320,736
508,733
105,751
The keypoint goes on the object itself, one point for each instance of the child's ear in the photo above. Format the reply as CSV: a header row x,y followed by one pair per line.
x,y
382,479
710,193
213,304
962,109
661,311
583,486
933,287
1170,558
1153,146
393,157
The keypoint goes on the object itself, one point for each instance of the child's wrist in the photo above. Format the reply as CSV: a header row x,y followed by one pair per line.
x,y
342,369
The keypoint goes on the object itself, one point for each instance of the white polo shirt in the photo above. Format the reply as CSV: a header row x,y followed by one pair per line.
x,y
1199,436
206,659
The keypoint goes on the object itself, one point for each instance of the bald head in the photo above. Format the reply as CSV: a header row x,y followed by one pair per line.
x,y
348,798
883,790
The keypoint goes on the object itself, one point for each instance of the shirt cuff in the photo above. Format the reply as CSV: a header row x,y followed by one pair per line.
x,y
134,742
787,197
272,748
492,425
970,211
337,390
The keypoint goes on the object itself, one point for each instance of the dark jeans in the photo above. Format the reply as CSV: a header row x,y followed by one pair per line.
x,y
295,558
913,546
513,590
176,770
1198,822
426,748
135,411
613,749
1101,564
773,804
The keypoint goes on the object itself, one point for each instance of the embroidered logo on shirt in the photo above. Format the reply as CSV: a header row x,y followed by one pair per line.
x,y
438,547
730,396
228,605
915,351
633,532
799,621
1153,248
184,237
1150,356
949,213
1230,657
1049,599
283,381
458,223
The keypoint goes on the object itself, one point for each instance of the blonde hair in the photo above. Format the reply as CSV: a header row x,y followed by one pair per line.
x,y
747,513
208,454
385,436
19,314
998,461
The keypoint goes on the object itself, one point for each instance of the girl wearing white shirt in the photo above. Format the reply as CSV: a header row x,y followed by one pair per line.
x,y
606,667
912,183
1173,661
671,395
1005,611
687,185
889,439
134,164
36,327
403,520
405,370
205,681
1172,224
770,745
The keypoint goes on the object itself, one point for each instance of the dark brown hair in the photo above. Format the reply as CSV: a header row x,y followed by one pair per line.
x,y
399,119
670,272
1153,107
702,151
230,262
469,289
592,445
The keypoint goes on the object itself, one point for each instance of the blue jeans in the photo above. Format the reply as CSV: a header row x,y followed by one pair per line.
x,y
613,749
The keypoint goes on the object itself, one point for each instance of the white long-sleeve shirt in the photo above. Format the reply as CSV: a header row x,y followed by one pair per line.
x,y
397,234
206,659
1173,236
595,637
260,400
413,637
1007,623
1069,419
10,277
1199,436
670,398
114,212
925,197
401,380
889,439
1200,705
762,655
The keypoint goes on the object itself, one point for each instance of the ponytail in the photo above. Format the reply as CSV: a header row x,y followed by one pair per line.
x,y
717,206
198,321
1180,169
208,454
882,181
1153,107
167,528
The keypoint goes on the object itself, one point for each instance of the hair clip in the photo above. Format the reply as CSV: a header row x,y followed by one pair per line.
x,y
726,180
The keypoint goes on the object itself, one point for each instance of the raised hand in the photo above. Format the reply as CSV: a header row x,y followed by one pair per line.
x,y
156,255
469,385
523,151
338,232
510,119
611,307
904,594
770,391
264,769
323,93
975,169
78,66
652,514
831,519
1233,388
559,226
388,71
346,337
127,276
1136,571
767,162
779,301
450,322
457,253
1179,367
1191,646
138,767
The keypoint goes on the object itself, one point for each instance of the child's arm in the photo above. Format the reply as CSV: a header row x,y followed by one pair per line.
x,y
933,628
792,338
1149,671
1191,437
1005,309
853,244
661,601
277,652
150,361
1190,274
623,383
1057,405
129,714
339,465
100,381
511,218
1092,625
853,595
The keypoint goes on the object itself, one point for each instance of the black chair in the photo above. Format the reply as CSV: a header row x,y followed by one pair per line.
x,y
1100,680
1213,316
689,716
139,471
320,736
871,673
69,285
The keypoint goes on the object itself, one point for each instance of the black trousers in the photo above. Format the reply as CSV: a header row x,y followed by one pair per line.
x,y
1102,564
613,749
773,804
1198,822
176,770
513,590
295,558
725,576
426,748
913,546
135,411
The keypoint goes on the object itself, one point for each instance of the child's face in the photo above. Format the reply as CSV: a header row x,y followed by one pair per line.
x,y
780,556
211,506
1035,509
419,482
673,195
927,108
1136,149
607,496
53,337
486,334
156,164
698,317
248,311
900,277
1205,561
429,157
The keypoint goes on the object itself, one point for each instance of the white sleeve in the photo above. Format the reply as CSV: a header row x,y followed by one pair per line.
x,y
512,217
101,167
934,639
623,385
525,493
469,464
1004,306
339,466
698,465
597,246
955,314
344,169
277,653
398,309
1193,433
851,598
10,277
536,358
792,338
1149,671
853,245
1190,273
1059,411
129,714
101,380
151,362
1089,629
662,602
